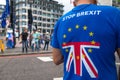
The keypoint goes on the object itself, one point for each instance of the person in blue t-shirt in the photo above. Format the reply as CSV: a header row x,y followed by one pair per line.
x,y
85,39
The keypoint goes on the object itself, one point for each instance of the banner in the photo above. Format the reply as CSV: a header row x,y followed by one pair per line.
x,y
5,14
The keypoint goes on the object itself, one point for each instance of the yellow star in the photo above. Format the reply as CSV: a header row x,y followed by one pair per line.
x,y
90,50
67,50
64,36
91,33
85,28
78,57
70,29
71,55
93,42
77,26
64,43
83,56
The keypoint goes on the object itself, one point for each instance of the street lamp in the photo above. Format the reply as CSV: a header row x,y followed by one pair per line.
x,y
12,19
30,19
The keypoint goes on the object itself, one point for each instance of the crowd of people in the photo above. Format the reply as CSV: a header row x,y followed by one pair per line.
x,y
34,40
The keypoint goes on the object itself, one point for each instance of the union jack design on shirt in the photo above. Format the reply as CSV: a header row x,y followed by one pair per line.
x,y
78,54
86,38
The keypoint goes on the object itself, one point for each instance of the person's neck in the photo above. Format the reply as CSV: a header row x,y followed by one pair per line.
x,y
83,2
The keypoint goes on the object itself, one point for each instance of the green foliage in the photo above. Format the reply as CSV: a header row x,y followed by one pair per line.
x,y
118,0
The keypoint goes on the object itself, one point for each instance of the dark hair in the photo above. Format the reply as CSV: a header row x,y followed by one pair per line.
x,y
94,1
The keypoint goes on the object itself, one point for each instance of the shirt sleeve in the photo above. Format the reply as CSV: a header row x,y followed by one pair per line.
x,y
117,20
54,41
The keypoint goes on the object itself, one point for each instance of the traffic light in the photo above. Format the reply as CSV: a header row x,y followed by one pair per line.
x,y
30,17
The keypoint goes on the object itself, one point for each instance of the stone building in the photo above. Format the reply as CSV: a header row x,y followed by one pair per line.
x,y
2,7
45,14
105,2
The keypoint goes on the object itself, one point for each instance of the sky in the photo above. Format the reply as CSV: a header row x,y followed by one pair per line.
x,y
67,5
3,2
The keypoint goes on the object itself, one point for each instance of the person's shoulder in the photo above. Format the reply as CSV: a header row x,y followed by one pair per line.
x,y
108,8
66,16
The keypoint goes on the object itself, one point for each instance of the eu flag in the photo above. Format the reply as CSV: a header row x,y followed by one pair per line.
x,y
5,13
3,23
7,9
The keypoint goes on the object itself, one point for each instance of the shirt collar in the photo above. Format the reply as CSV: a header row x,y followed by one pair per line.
x,y
81,7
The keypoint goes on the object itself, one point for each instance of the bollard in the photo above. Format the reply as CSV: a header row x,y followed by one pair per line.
x,y
2,46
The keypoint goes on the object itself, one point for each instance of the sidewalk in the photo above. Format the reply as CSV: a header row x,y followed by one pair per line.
x,y
18,51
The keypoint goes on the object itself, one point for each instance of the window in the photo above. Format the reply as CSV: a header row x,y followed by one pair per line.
x,y
23,17
48,15
34,23
34,6
23,23
48,20
44,19
44,25
23,10
39,12
34,18
48,25
39,18
44,14
17,1
44,8
39,24
21,0
34,12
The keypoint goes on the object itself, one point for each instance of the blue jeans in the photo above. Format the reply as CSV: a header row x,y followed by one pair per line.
x,y
35,46
24,45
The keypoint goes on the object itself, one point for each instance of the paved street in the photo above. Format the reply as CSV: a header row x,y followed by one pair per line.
x,y
29,67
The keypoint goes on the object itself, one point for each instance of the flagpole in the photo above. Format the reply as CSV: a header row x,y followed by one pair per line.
x,y
12,22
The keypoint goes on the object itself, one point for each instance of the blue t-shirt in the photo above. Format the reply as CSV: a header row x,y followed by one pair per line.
x,y
88,37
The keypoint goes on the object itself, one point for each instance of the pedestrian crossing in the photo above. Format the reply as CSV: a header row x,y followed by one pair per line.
x,y
58,78
49,59
45,59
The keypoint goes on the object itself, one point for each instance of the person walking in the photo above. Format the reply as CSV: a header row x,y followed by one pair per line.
x,y
47,40
40,37
86,39
24,36
35,39
9,39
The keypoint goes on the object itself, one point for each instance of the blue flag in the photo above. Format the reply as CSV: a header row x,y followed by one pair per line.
x,y
3,23
7,9
5,13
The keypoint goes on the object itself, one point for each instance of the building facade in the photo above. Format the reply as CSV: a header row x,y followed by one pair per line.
x,y
45,14
116,3
105,2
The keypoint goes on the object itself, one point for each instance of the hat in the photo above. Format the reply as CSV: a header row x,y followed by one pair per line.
x,y
47,32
